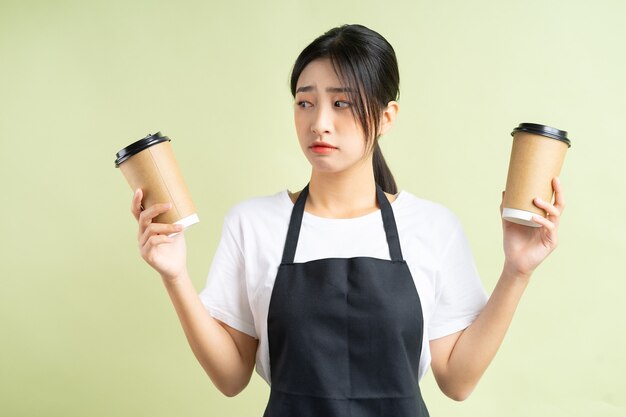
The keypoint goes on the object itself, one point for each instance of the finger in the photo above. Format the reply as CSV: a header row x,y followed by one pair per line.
x,y
549,208
155,241
544,222
502,203
550,236
135,206
553,213
158,229
146,216
559,199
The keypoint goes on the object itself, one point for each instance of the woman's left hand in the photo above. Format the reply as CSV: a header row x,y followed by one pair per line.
x,y
526,247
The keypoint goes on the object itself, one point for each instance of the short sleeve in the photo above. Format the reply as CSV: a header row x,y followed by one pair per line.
x,y
459,295
225,295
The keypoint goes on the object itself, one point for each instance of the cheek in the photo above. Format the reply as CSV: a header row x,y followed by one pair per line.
x,y
300,121
301,129
351,128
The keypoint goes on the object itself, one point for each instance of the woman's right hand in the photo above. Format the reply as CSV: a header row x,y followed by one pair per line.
x,y
167,255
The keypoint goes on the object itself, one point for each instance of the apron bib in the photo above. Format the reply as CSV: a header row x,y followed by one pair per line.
x,y
345,334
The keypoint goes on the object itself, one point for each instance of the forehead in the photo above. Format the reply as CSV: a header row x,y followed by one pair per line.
x,y
320,73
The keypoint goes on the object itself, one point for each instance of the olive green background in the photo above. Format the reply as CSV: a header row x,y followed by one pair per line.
x,y
86,328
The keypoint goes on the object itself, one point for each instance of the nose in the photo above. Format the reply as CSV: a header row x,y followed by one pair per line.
x,y
322,120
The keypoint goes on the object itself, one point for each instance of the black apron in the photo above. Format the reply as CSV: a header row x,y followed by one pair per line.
x,y
345,334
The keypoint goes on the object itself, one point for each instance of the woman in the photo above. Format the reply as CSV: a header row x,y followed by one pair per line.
x,y
344,293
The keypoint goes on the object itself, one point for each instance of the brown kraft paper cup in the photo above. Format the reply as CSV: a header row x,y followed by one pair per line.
x,y
536,157
150,164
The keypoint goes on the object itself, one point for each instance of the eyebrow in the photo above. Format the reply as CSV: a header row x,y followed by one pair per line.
x,y
308,88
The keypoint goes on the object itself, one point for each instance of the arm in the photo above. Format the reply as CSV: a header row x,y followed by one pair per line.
x,y
227,355
460,359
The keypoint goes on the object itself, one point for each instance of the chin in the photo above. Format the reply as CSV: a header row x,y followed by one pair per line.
x,y
329,167
320,166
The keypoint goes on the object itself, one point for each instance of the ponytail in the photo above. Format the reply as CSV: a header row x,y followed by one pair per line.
x,y
382,173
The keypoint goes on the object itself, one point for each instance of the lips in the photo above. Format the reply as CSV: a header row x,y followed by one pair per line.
x,y
322,148
322,144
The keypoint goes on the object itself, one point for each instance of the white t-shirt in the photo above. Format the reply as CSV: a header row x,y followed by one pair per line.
x,y
433,244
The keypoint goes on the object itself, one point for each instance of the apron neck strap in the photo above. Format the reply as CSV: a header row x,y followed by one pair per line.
x,y
389,222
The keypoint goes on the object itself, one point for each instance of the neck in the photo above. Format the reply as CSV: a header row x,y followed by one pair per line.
x,y
345,194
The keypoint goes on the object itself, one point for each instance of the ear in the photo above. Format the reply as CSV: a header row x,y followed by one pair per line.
x,y
389,116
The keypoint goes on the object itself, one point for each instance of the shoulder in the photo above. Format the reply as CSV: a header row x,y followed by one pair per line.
x,y
259,209
409,204
255,225
424,216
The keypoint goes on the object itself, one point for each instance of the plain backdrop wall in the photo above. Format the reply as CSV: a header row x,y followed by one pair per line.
x,y
86,328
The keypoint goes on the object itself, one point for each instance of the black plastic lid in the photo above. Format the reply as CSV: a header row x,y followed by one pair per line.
x,y
140,145
543,130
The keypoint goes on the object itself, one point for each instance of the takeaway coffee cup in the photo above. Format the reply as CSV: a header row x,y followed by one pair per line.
x,y
536,157
150,164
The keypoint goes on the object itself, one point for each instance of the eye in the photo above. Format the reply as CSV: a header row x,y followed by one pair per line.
x,y
342,104
303,104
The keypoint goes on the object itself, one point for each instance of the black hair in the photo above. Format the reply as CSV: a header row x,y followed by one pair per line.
x,y
366,63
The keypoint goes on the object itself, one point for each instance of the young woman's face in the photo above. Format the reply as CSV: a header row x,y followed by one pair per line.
x,y
323,113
